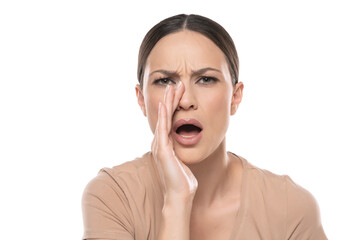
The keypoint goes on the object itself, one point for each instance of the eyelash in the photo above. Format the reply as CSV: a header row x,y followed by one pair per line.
x,y
160,80
212,79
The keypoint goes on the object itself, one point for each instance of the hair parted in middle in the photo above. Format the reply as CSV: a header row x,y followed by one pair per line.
x,y
205,26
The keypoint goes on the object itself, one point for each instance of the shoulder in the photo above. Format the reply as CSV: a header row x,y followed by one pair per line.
x,y
290,205
303,213
124,176
265,180
300,200
109,200
294,193
121,201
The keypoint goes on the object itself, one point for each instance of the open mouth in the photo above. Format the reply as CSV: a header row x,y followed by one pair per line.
x,y
188,130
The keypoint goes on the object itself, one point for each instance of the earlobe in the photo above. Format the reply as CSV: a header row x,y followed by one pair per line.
x,y
140,98
237,97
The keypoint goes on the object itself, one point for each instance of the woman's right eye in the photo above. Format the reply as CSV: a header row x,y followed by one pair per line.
x,y
164,81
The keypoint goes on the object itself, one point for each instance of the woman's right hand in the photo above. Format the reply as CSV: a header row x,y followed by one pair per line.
x,y
178,182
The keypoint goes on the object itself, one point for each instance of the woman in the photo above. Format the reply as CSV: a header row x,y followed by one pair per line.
x,y
189,186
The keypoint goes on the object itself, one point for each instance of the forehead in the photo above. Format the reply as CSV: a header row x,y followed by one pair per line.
x,y
185,49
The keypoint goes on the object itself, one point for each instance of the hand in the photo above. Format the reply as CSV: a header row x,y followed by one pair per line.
x,y
178,182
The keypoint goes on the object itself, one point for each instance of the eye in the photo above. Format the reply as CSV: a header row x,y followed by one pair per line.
x,y
164,81
207,80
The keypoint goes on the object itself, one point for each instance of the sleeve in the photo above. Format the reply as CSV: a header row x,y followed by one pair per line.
x,y
303,214
106,211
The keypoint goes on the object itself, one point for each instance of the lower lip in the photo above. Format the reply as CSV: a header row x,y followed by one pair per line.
x,y
187,140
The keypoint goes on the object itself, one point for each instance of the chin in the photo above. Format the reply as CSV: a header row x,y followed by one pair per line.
x,y
189,155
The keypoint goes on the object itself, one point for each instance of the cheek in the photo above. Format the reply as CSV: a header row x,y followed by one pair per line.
x,y
221,111
218,102
217,109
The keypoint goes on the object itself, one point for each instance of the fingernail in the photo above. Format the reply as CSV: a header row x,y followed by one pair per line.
x,y
159,106
167,88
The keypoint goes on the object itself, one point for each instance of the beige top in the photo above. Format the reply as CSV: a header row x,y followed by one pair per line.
x,y
125,202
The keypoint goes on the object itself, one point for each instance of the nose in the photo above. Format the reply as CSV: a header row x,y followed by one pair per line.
x,y
188,100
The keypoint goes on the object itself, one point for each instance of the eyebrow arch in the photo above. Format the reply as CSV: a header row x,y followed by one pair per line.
x,y
165,72
204,70
194,72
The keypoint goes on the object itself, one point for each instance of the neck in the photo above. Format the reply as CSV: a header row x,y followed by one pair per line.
x,y
214,177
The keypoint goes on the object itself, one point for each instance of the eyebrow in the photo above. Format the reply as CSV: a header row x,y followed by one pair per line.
x,y
194,72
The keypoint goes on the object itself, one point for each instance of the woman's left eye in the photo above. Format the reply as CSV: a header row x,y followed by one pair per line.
x,y
207,80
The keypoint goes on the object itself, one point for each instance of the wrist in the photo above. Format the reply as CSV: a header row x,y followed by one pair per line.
x,y
177,204
176,199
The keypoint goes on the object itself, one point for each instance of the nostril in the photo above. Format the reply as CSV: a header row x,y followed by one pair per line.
x,y
186,107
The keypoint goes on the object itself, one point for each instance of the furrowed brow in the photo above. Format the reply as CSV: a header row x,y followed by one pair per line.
x,y
165,72
194,72
204,70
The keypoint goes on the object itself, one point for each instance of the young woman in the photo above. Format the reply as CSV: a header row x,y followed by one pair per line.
x,y
189,186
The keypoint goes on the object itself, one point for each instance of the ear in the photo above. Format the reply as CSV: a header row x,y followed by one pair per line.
x,y
140,98
236,98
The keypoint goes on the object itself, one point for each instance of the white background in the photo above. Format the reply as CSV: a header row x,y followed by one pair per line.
x,y
68,105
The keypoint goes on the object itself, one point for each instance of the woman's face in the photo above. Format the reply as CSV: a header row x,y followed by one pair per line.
x,y
209,95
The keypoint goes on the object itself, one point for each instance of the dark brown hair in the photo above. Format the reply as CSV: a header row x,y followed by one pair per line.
x,y
209,28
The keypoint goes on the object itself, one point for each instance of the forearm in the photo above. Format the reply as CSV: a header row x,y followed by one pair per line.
x,y
175,222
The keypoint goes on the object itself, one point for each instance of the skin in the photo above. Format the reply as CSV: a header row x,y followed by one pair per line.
x,y
204,173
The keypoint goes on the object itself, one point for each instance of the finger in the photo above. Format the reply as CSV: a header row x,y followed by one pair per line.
x,y
178,94
162,134
169,107
154,142
163,150
156,135
166,94
155,151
